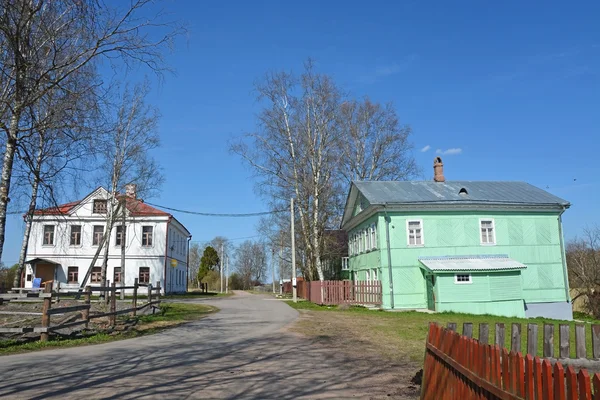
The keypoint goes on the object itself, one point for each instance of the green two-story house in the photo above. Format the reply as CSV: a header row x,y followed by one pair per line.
x,y
465,246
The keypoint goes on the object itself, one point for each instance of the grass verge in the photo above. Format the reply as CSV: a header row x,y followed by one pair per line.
x,y
402,335
170,315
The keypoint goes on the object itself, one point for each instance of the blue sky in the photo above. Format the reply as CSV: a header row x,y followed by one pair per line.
x,y
514,85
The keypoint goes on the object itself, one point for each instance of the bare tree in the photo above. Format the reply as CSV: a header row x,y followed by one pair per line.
x,y
295,152
376,146
251,262
124,148
310,143
221,243
583,262
194,266
43,43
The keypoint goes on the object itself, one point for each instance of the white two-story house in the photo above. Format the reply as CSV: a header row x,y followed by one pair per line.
x,y
64,240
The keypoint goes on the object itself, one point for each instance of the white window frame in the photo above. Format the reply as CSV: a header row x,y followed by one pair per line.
x,y
367,239
481,220
368,275
375,275
53,241
420,221
147,246
373,236
457,282
345,264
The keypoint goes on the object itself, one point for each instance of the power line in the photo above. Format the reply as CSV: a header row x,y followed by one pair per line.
x,y
204,214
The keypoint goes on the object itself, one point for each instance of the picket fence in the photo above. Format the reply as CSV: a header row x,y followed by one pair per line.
x,y
460,367
341,292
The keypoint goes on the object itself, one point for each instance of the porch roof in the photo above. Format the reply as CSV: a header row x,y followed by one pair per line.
x,y
473,263
41,260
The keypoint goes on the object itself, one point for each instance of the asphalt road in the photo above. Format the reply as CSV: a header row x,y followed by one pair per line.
x,y
241,352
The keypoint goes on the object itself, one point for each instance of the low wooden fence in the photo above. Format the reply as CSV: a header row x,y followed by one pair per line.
x,y
84,317
460,367
341,292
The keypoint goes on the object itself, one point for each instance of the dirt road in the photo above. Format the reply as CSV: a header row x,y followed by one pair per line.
x,y
241,352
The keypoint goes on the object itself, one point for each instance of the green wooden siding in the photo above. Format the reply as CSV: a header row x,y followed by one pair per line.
x,y
530,238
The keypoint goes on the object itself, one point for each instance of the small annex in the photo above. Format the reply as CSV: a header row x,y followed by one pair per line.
x,y
481,247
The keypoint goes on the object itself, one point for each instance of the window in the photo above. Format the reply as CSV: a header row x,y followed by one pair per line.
x,y
144,276
48,235
462,278
368,275
75,235
345,266
29,276
415,232
368,239
373,236
119,235
117,275
73,274
487,231
146,236
96,275
99,207
98,235
374,276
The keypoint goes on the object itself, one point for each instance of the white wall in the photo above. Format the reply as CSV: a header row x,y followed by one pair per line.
x,y
136,254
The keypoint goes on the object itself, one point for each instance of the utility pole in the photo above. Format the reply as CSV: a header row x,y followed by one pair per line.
x,y
273,266
227,277
294,289
281,265
222,256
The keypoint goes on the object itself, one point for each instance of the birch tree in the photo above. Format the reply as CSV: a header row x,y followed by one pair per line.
x,y
124,148
44,42
251,262
583,262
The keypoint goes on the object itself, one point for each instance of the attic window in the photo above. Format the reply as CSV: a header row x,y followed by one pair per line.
x,y
99,207
463,192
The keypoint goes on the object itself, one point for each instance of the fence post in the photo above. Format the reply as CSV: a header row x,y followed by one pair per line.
x,y
158,292
515,337
452,326
499,335
113,304
135,292
58,292
596,341
468,329
149,292
484,333
45,316
564,341
549,340
107,293
87,300
532,339
580,341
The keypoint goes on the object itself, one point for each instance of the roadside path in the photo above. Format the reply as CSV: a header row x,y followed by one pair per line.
x,y
241,352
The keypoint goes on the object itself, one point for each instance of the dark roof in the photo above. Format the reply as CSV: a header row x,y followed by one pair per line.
x,y
58,210
395,192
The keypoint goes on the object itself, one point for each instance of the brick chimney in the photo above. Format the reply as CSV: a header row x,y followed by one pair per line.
x,y
131,190
438,170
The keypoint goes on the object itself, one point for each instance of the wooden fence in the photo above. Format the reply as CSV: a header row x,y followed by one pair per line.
x,y
84,317
340,292
460,367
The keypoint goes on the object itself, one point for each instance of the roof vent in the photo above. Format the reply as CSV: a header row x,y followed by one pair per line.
x,y
438,170
463,192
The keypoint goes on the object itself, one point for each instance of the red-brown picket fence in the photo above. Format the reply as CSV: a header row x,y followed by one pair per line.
x,y
459,367
340,292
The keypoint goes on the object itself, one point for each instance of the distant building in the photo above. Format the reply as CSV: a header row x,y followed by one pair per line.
x,y
464,246
64,240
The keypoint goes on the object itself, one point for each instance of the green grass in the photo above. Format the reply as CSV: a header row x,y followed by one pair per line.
x,y
410,328
171,313
195,295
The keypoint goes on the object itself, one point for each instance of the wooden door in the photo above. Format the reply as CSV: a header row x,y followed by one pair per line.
x,y
45,271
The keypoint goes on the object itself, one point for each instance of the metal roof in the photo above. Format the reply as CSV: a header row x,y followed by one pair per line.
x,y
399,192
497,262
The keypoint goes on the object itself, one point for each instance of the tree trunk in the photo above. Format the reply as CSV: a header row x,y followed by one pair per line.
x,y
5,178
123,282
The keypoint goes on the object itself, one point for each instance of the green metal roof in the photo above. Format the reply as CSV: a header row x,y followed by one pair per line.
x,y
473,192
475,263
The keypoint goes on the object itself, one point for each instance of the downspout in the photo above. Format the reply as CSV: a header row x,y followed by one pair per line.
x,y
389,256
166,252
187,264
563,256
